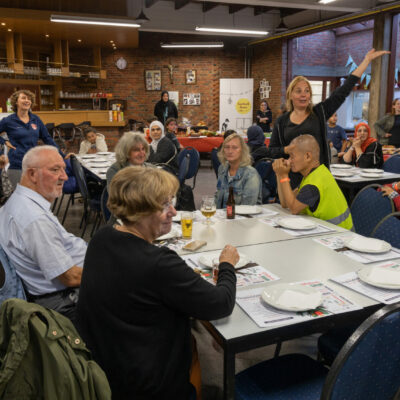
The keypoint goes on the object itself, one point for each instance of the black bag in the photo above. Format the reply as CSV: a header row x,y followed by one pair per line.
x,y
185,199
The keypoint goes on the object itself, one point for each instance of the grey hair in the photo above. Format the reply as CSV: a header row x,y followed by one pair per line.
x,y
128,141
32,157
245,158
307,143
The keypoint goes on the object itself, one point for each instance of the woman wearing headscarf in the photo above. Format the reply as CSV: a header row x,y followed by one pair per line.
x,y
365,151
162,150
165,108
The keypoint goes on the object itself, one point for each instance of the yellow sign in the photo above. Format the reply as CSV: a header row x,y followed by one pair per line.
x,y
243,106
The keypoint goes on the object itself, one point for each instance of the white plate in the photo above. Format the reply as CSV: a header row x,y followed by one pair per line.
x,y
341,166
100,170
174,232
98,160
104,153
177,217
292,297
88,156
248,210
372,170
366,245
370,175
342,173
387,278
296,223
100,165
211,260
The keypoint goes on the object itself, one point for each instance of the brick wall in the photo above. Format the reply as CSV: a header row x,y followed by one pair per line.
x,y
356,45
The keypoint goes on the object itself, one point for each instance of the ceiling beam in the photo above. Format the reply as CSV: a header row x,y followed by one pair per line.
x,y
285,12
180,3
235,8
207,6
149,3
261,10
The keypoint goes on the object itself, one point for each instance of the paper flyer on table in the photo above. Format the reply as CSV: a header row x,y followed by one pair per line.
x,y
336,242
319,229
265,315
245,277
352,281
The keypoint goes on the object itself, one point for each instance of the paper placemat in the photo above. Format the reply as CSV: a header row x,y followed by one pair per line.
x,y
318,230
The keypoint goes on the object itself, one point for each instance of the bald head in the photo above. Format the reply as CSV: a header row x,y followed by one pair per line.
x,y
306,144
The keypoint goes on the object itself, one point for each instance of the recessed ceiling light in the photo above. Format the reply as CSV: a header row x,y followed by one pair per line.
x,y
9,30
79,40
232,30
47,35
3,23
111,41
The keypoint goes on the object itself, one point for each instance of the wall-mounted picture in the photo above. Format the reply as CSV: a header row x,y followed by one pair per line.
x,y
191,99
190,76
152,79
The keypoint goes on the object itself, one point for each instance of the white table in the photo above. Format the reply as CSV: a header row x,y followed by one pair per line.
x,y
294,260
98,170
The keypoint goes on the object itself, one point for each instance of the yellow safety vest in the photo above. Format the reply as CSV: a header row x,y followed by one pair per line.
x,y
332,206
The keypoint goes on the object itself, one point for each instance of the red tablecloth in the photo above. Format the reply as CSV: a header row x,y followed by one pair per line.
x,y
204,144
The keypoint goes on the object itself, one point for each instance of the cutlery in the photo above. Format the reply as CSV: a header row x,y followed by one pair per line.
x,y
248,265
342,249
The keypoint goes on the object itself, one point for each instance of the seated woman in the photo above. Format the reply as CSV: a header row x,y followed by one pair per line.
x,y
93,142
256,143
171,127
136,299
236,171
365,151
132,149
162,150
392,190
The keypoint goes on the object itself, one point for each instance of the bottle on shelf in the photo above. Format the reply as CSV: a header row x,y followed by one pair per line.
x,y
230,204
8,105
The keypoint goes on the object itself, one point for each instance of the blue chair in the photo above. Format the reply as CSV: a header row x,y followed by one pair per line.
x,y
367,367
392,164
215,160
368,208
183,168
89,205
194,162
10,282
268,180
389,229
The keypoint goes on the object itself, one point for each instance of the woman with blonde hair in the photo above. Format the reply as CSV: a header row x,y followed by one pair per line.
x,y
132,149
304,118
236,171
388,127
136,299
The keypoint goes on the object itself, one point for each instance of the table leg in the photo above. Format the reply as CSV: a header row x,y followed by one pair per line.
x,y
229,374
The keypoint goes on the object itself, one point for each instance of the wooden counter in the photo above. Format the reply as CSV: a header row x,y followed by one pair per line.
x,y
97,118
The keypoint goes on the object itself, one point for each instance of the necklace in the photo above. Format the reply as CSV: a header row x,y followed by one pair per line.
x,y
124,228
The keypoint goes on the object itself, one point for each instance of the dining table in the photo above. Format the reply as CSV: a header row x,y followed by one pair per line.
x,y
97,164
284,257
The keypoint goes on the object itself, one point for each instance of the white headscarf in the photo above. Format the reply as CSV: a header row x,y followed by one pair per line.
x,y
154,143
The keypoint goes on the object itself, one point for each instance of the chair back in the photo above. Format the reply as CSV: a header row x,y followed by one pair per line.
x,y
183,168
368,208
367,367
10,282
215,160
66,131
194,162
268,180
392,164
80,179
389,229
103,203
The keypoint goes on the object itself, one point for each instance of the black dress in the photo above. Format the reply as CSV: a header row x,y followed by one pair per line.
x,y
164,110
265,126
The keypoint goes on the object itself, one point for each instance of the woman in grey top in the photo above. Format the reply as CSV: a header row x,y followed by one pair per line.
x,y
388,127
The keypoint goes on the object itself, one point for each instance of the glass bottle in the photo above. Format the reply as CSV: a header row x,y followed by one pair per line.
x,y
230,205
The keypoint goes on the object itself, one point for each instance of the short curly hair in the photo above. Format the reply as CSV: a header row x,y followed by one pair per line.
x,y
15,95
136,192
129,141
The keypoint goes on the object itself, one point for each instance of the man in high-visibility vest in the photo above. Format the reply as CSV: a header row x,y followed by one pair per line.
x,y
318,194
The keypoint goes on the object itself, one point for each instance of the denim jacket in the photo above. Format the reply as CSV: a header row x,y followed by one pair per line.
x,y
246,186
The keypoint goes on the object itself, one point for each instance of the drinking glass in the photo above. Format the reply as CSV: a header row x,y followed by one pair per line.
x,y
208,209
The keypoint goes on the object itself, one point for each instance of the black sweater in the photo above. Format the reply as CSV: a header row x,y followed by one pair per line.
x,y
371,158
160,107
166,153
133,312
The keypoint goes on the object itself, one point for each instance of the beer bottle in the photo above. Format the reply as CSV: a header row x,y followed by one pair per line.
x,y
230,205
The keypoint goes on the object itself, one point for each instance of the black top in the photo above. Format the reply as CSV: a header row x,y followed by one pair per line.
x,y
371,158
309,194
133,312
265,126
171,136
394,140
166,153
164,110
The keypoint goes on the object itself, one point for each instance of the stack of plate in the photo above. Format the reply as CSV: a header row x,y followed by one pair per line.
x,y
383,277
371,173
366,245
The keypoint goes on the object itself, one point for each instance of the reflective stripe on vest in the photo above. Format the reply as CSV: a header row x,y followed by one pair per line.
x,y
341,218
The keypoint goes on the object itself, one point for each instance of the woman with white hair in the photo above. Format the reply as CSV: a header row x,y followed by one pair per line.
x,y
162,150
132,149
236,171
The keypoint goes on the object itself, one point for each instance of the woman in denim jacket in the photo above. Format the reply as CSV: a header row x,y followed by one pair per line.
x,y
236,171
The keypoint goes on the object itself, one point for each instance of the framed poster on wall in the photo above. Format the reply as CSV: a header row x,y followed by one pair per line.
x,y
152,79
191,99
190,76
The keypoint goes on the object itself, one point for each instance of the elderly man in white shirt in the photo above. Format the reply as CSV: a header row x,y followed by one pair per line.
x,y
48,259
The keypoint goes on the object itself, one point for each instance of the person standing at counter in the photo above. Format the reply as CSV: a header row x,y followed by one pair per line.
x,y
264,116
23,129
388,127
165,108
304,118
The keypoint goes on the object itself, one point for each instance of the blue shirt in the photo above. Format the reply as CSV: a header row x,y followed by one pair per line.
x,y
36,243
246,186
23,136
336,135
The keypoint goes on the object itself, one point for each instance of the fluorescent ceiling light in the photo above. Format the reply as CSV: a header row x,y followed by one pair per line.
x,y
71,19
325,1
226,30
176,45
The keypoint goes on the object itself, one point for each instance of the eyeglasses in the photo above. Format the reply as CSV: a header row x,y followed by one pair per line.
x,y
169,204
